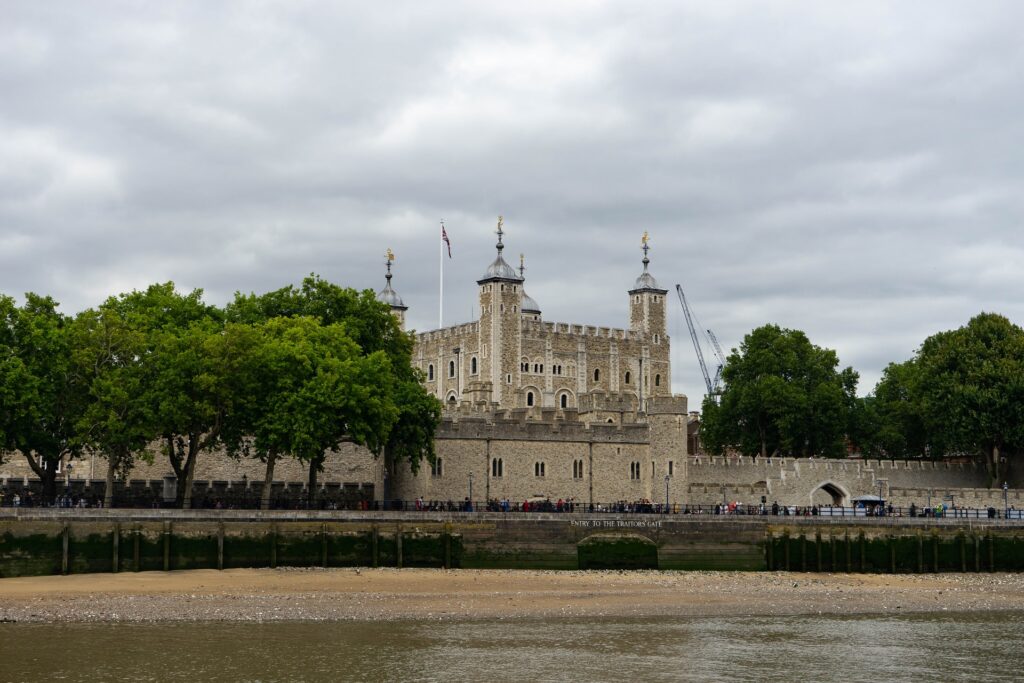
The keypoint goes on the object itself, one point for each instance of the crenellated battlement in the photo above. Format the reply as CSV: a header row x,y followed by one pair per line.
x,y
516,426
556,328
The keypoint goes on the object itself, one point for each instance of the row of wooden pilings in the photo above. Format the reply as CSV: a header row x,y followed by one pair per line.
x,y
134,533
974,553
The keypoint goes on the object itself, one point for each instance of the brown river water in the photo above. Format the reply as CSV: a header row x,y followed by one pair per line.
x,y
920,647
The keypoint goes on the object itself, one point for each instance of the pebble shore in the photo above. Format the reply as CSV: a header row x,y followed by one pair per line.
x,y
312,595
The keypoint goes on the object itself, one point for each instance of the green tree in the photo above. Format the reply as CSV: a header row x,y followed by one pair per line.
x,y
782,396
108,354
184,366
971,388
370,324
314,389
39,396
899,426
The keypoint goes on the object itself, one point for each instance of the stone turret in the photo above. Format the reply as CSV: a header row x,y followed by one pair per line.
x,y
501,294
647,302
390,297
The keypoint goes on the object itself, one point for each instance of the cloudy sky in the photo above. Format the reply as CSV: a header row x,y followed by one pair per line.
x,y
854,170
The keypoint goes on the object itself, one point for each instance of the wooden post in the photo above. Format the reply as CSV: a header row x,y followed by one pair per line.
x,y
849,553
273,546
892,555
398,545
769,551
167,546
803,553
448,545
963,553
991,553
977,553
935,554
116,542
785,547
920,553
323,545
817,548
220,546
65,544
375,542
862,544
136,537
832,551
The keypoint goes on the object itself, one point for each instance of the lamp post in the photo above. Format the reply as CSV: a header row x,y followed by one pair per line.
x,y
666,494
1006,503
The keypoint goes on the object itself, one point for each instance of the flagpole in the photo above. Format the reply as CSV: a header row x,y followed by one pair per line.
x,y
440,304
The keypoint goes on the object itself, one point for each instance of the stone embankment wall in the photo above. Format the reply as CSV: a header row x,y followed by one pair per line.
x,y
37,542
808,481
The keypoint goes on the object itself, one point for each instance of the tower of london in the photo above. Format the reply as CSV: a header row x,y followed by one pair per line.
x,y
527,400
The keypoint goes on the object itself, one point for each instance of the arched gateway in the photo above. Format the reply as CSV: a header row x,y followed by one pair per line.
x,y
829,493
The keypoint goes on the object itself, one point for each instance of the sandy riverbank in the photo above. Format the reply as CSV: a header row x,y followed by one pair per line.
x,y
350,594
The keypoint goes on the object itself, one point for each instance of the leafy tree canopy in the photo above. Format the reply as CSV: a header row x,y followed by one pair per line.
x,y
783,396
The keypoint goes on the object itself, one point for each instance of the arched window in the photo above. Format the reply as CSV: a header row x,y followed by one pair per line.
x,y
657,380
564,401
597,375
657,339
627,377
634,471
529,398
472,365
497,467
430,372
538,469
451,368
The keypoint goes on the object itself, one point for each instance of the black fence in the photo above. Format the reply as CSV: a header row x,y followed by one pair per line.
x,y
246,495
211,495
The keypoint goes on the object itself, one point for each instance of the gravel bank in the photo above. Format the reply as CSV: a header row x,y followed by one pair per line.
x,y
375,594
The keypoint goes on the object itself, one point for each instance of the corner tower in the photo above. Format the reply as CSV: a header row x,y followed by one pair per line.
x,y
390,297
647,310
501,293
647,301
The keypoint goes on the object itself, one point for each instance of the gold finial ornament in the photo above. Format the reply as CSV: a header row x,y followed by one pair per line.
x,y
643,240
390,254
501,223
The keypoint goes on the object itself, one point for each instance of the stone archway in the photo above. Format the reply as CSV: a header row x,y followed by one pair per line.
x,y
829,493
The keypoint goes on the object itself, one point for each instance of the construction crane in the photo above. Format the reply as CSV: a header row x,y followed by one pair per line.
x,y
713,385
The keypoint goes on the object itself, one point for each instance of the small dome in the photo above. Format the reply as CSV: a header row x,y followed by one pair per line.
x,y
390,297
646,281
500,269
529,305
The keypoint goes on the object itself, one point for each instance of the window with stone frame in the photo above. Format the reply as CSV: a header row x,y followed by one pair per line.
x,y
437,468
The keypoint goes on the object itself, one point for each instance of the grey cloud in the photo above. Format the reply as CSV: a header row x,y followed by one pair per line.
x,y
849,170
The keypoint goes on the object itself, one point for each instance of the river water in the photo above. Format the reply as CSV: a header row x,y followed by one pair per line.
x,y
926,647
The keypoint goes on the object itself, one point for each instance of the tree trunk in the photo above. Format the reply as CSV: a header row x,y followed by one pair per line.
x,y
268,479
994,468
49,480
108,493
185,482
314,468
